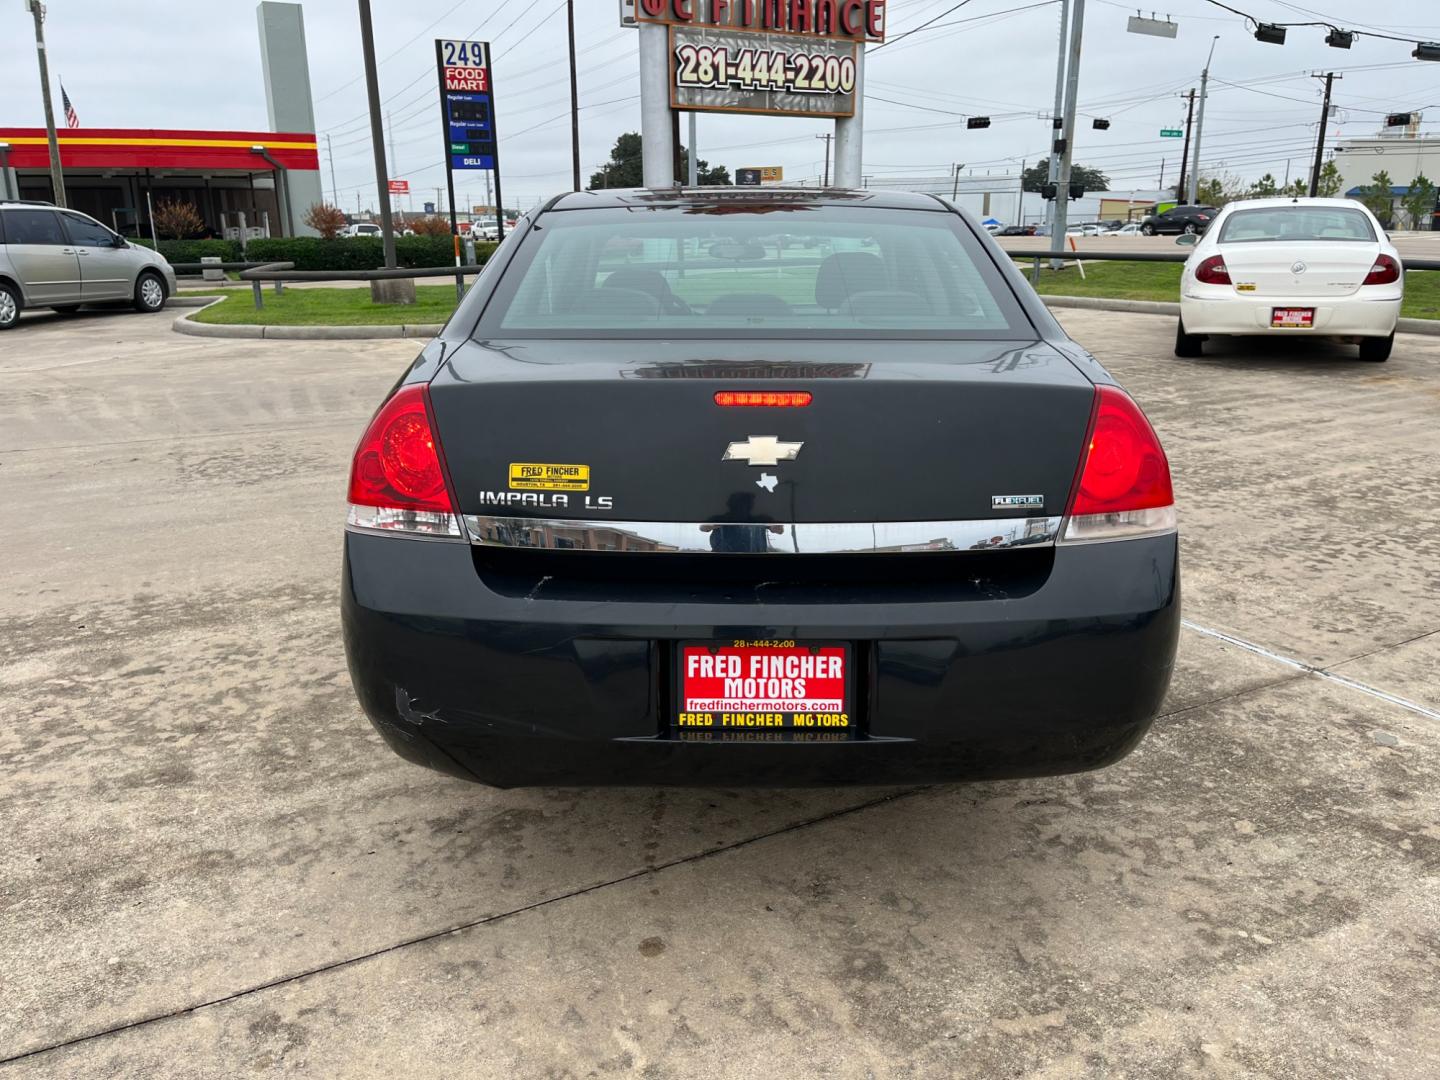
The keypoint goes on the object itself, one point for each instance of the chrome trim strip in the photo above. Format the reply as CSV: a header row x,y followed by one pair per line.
x,y
776,538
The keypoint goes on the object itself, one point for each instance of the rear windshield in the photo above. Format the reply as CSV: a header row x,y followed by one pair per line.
x,y
1296,223
788,270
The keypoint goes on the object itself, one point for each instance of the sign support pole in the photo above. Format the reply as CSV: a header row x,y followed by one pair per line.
x,y
656,140
850,132
377,134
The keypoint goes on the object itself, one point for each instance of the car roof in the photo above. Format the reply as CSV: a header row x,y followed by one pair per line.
x,y
737,197
1291,200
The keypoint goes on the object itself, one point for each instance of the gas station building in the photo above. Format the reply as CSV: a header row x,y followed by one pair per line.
x,y
260,181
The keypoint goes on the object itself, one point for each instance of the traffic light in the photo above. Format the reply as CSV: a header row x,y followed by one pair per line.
x,y
1077,191
1340,39
1047,192
978,122
1398,119
1101,125
1270,33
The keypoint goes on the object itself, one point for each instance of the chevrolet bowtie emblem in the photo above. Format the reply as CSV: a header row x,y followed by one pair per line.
x,y
762,450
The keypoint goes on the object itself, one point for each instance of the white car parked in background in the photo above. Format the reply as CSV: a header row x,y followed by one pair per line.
x,y
1308,267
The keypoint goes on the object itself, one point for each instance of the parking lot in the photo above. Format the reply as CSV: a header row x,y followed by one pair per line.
x,y
210,866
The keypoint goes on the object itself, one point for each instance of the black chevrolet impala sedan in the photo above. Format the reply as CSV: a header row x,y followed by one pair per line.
x,y
757,487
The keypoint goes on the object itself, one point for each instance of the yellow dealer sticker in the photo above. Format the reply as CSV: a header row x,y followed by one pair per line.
x,y
528,476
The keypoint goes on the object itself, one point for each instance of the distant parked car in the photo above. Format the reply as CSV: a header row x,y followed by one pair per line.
x,y
1179,219
363,228
1132,229
1018,230
1292,268
61,259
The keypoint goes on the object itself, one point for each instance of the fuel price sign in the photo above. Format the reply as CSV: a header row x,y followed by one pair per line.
x,y
467,101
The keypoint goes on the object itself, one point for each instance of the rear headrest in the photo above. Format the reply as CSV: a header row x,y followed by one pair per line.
x,y
885,304
616,304
740,305
845,273
651,282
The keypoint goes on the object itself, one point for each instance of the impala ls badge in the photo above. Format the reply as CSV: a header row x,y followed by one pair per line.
x,y
762,450
1297,268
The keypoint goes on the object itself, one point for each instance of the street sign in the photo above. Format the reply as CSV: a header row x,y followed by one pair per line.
x,y
1172,133
467,109
714,70
399,187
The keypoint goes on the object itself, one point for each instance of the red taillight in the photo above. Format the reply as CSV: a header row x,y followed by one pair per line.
x,y
1386,271
784,399
1212,271
1124,482
397,464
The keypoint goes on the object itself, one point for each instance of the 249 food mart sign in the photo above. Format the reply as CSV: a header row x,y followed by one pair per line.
x,y
467,102
775,57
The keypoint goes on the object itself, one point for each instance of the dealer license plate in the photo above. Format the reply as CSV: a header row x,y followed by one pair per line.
x,y
1292,318
750,687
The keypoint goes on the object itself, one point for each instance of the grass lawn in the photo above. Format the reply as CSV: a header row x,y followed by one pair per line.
x,y
1161,281
329,307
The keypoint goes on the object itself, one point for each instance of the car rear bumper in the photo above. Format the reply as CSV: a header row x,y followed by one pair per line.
x,y
1351,316
558,686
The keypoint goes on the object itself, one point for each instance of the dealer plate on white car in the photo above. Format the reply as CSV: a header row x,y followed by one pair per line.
x,y
1292,318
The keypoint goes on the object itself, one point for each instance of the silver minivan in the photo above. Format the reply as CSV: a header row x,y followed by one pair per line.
x,y
62,259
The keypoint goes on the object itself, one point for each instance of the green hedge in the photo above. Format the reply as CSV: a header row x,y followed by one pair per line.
x,y
191,251
358,252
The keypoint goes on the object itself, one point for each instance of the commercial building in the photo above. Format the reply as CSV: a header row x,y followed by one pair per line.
x,y
242,183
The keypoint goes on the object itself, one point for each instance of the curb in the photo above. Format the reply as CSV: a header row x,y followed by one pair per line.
x,y
1430,327
185,325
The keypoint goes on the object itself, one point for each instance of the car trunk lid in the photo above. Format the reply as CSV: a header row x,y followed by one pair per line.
x,y
1299,271
894,431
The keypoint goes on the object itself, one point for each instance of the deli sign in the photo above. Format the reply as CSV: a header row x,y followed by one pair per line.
x,y
847,20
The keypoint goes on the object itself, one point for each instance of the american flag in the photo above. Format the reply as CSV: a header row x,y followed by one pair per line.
x,y
72,119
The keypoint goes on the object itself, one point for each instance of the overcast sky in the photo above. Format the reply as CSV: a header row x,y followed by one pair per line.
x,y
196,64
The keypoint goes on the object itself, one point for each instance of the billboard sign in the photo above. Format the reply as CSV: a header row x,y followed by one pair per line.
x,y
467,102
399,187
722,70
841,20
754,177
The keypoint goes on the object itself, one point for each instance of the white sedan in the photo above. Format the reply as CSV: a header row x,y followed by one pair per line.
x,y
1307,267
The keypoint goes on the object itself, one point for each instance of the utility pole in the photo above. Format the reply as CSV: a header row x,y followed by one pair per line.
x,y
390,140
1161,185
693,177
1185,154
334,189
57,174
1056,121
377,135
955,189
1072,92
1200,123
1320,142
827,137
574,95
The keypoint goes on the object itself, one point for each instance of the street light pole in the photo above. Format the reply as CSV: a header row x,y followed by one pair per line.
x,y
1200,123
1055,115
1185,153
57,174
377,133
1072,92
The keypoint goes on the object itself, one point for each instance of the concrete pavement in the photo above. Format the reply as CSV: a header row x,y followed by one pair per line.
x,y
210,866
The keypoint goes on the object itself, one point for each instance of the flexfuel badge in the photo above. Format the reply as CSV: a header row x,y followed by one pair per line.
x,y
530,476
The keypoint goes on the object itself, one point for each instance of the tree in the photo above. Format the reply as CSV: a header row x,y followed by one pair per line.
x,y
1378,197
1039,173
1296,189
625,168
329,221
177,219
1219,190
430,225
1419,204
1264,188
1329,185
